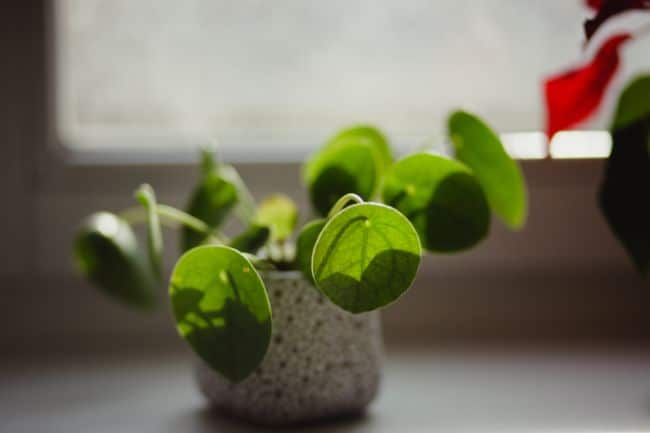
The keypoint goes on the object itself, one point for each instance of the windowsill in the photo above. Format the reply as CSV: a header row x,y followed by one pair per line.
x,y
442,390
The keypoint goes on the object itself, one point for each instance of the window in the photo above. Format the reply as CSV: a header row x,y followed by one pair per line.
x,y
272,79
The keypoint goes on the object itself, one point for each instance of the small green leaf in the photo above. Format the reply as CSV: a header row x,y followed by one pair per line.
x,y
442,198
106,253
634,103
369,135
365,257
251,239
351,162
147,198
338,171
305,245
625,190
222,309
477,146
279,213
210,202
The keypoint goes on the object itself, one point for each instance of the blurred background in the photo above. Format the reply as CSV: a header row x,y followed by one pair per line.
x,y
99,96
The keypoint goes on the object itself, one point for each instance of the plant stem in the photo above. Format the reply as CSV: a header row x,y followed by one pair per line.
x,y
342,202
170,216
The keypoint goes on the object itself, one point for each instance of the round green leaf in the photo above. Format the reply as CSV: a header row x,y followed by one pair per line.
x,y
106,253
340,170
370,136
280,214
305,245
222,309
477,146
147,198
442,198
210,202
365,257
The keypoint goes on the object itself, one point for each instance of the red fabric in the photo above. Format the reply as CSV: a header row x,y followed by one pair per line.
x,y
609,8
573,96
594,4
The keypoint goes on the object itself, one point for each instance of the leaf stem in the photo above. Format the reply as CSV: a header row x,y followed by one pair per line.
x,y
342,202
171,216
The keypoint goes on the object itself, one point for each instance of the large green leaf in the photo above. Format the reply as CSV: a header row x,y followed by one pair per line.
x,y
625,190
222,309
634,103
365,257
442,198
351,162
280,214
106,252
305,245
145,195
210,202
477,146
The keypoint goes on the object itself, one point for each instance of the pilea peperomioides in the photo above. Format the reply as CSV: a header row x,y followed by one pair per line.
x,y
360,253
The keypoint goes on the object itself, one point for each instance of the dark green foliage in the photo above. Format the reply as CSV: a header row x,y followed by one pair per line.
x,y
442,198
210,202
106,253
305,245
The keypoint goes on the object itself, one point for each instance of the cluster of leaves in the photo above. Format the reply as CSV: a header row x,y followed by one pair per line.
x,y
361,253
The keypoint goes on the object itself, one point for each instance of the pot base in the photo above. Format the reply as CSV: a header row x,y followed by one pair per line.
x,y
322,361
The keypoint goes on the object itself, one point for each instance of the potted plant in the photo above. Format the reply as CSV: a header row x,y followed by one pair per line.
x,y
288,331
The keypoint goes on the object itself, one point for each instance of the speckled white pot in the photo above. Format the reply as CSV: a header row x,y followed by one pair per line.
x,y
322,361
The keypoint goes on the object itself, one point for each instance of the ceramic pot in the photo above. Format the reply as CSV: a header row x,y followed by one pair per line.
x,y
322,361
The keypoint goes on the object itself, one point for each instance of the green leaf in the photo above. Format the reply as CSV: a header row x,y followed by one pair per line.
x,y
279,213
222,309
251,239
145,195
351,162
338,171
442,198
477,146
634,103
625,190
370,136
210,202
365,257
305,246
106,253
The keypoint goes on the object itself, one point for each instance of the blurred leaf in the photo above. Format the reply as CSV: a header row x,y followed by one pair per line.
x,y
106,253
210,202
352,162
222,309
305,246
625,190
477,146
147,198
371,136
280,214
442,198
251,239
634,103
338,171
366,256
